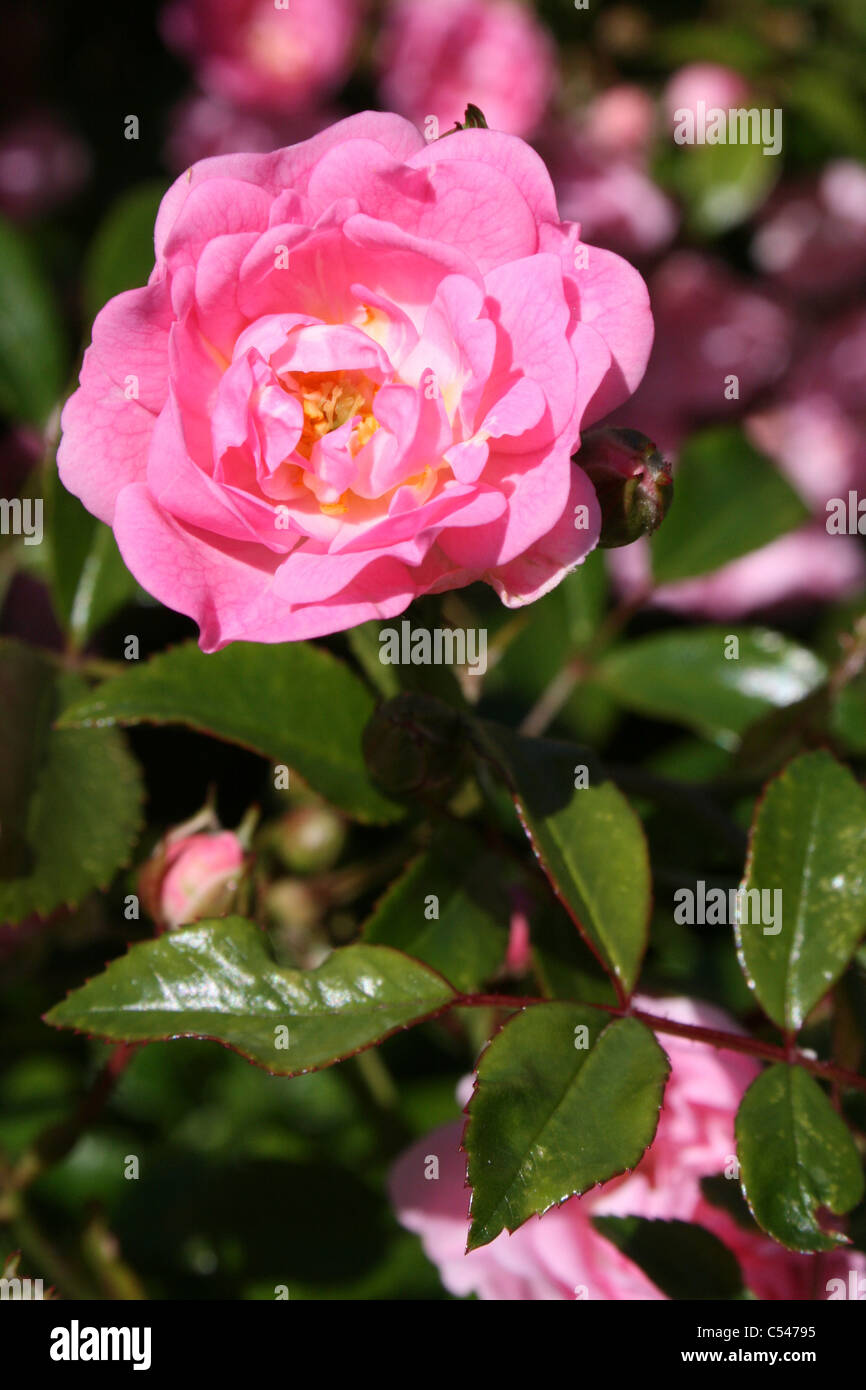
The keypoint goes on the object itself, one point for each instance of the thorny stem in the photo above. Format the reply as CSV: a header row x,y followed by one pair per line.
x,y
715,1037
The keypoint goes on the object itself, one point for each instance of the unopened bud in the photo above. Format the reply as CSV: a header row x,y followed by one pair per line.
x,y
415,745
193,872
308,840
632,482
473,119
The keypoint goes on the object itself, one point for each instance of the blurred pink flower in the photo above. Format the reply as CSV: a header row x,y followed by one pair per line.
x,y
710,83
264,55
811,236
560,1255
42,165
607,191
711,324
620,122
834,363
437,58
805,567
201,126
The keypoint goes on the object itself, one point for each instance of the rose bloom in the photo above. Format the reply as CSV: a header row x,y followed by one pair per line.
x,y
261,55
560,1255
436,58
193,872
357,374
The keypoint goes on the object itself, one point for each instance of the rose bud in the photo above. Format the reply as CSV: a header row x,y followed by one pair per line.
x,y
192,873
308,840
415,745
632,482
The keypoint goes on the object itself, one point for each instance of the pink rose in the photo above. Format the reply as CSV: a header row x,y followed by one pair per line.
x,y
437,58
357,375
263,55
560,1255
193,872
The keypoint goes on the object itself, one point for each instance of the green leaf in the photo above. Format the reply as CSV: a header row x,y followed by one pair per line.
x,y
32,352
796,1156
292,703
589,842
467,940
121,255
684,676
719,185
550,1119
217,980
69,800
826,101
727,1195
684,1261
807,854
728,501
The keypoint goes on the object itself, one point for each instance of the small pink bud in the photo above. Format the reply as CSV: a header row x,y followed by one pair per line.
x,y
190,876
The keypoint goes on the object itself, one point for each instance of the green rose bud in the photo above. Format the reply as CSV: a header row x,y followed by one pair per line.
x,y
415,745
632,482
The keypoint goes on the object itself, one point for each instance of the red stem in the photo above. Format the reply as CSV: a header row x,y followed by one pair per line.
x,y
731,1042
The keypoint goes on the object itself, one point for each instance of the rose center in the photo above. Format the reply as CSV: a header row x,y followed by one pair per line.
x,y
329,402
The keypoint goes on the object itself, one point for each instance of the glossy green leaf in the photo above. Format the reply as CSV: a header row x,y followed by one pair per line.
x,y
449,909
292,703
588,840
685,677
218,980
729,500
796,1156
550,1118
32,352
121,255
807,859
69,799
684,1261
